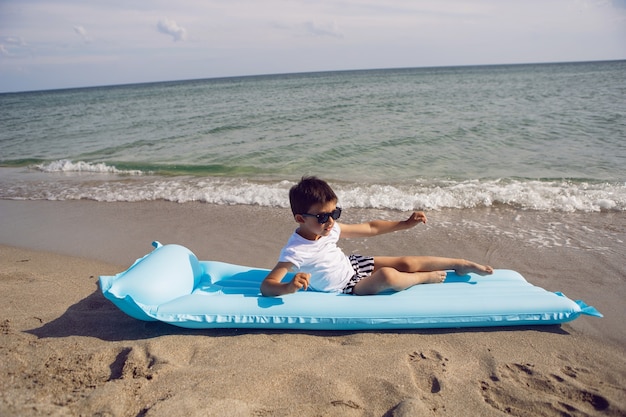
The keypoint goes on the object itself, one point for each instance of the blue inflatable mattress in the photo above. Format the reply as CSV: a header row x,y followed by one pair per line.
x,y
171,285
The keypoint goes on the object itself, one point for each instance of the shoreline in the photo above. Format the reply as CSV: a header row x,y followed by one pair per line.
x,y
64,349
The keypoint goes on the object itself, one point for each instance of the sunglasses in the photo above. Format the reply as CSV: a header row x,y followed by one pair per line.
x,y
323,217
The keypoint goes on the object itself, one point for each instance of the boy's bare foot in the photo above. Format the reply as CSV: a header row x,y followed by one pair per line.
x,y
434,277
472,267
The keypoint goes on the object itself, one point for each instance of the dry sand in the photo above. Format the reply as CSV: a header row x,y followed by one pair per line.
x,y
65,350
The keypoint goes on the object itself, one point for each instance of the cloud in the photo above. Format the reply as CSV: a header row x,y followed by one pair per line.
x,y
310,29
9,45
169,27
80,31
315,29
14,40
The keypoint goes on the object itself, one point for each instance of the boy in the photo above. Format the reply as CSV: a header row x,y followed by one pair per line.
x,y
322,266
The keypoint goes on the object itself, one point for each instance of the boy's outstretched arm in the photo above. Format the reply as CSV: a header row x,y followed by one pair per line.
x,y
273,286
379,227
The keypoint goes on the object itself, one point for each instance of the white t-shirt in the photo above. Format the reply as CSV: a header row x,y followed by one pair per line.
x,y
329,267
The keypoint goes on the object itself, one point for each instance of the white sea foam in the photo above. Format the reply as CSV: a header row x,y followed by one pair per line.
x,y
529,195
561,196
65,165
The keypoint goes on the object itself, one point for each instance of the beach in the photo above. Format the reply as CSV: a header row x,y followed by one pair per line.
x,y
66,350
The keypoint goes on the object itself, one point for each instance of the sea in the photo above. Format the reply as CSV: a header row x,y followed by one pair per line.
x,y
533,137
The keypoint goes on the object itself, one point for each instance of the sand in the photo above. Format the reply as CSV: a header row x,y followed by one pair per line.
x,y
65,350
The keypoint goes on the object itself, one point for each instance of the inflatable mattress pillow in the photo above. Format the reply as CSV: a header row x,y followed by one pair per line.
x,y
173,271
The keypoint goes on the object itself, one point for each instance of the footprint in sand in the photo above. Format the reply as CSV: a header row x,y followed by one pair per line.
x,y
133,363
522,390
428,370
5,327
131,373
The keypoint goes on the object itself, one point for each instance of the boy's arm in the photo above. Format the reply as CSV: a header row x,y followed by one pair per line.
x,y
272,285
379,227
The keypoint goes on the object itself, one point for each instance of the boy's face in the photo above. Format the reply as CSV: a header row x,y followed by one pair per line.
x,y
310,227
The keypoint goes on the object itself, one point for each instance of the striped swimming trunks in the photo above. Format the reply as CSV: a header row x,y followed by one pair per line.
x,y
363,267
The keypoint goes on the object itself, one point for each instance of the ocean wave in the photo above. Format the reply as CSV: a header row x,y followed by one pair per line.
x,y
560,196
65,165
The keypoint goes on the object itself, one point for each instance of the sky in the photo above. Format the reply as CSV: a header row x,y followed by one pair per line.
x,y
51,44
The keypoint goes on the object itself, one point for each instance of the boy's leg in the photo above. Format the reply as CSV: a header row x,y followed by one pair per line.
x,y
387,278
400,273
430,263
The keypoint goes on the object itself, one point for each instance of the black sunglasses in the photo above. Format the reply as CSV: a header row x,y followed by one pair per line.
x,y
323,217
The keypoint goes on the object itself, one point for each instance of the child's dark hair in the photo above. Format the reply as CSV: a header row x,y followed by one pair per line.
x,y
308,192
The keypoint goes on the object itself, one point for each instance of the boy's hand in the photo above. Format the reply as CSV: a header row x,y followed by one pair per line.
x,y
299,281
416,218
